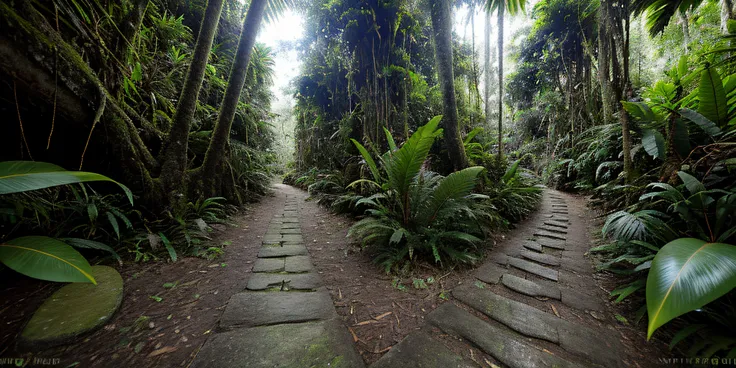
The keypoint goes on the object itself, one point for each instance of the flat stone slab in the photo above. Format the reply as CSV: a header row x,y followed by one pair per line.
x,y
581,301
297,281
552,229
290,231
297,264
528,244
559,212
292,238
541,258
558,224
420,350
552,243
519,317
598,346
269,265
75,309
295,345
534,268
530,288
549,234
290,225
286,250
490,273
503,345
251,309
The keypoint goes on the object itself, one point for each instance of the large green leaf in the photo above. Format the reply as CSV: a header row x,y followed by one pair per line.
x,y
653,143
23,176
687,274
712,96
406,162
708,126
368,160
46,259
455,186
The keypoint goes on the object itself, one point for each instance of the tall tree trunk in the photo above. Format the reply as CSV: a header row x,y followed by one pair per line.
x,y
442,27
628,94
487,69
216,150
604,62
727,14
174,154
685,23
501,11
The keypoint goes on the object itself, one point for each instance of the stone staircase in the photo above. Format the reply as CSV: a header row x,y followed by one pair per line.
x,y
530,307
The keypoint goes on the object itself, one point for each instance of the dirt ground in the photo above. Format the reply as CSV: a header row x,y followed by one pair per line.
x,y
379,310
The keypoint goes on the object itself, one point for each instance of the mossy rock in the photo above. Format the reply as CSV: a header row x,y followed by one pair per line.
x,y
75,309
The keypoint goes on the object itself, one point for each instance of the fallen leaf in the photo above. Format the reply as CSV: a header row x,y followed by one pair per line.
x,y
163,350
555,310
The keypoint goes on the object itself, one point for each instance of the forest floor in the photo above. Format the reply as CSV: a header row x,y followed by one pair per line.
x,y
378,310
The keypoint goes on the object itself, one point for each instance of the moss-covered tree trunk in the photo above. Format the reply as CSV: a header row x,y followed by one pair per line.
x,y
442,29
216,150
174,155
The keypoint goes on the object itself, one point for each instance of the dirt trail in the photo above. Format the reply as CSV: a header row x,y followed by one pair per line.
x,y
290,282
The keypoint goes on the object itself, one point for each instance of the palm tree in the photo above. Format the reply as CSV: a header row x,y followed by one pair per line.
x,y
442,29
514,7
660,12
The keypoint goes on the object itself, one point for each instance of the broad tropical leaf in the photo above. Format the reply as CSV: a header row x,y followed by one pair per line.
x,y
687,274
708,126
653,142
23,176
712,97
45,258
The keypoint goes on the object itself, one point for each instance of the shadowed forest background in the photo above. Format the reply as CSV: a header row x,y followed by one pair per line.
x,y
434,124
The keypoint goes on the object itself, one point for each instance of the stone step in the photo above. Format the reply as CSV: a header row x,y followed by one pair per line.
x,y
552,229
311,344
552,243
532,245
596,346
530,288
553,217
490,273
558,224
559,212
420,350
296,281
505,346
269,265
534,268
286,250
541,258
549,234
517,316
251,309
298,264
